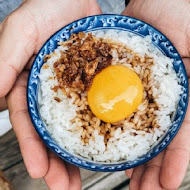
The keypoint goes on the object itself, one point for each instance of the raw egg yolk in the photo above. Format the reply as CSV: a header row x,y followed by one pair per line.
x,y
115,93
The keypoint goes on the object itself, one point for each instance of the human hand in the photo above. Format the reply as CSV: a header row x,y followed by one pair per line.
x,y
21,36
3,104
167,170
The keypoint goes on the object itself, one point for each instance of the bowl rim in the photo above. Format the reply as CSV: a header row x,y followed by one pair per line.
x,y
102,166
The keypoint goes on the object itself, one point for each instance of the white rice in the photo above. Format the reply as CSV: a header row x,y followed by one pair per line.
x,y
123,145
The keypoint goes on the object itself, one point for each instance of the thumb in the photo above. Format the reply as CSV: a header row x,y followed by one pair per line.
x,y
16,47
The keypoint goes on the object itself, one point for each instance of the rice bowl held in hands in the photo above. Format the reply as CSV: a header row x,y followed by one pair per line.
x,y
108,95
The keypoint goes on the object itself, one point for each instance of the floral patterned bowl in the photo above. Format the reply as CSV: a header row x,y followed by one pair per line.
x,y
100,22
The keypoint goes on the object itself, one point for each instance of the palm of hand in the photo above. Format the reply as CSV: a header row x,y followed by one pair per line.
x,y
29,27
167,170
172,18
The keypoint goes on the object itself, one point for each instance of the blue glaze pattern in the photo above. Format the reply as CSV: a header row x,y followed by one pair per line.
x,y
98,23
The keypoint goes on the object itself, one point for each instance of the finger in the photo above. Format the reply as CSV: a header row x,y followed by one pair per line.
x,y
17,45
3,104
151,177
176,158
32,148
30,62
129,172
57,177
136,177
186,62
74,176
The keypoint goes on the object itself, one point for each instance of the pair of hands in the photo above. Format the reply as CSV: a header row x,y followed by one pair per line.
x,y
23,33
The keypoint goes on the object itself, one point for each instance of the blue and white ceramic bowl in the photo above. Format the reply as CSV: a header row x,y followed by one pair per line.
x,y
100,22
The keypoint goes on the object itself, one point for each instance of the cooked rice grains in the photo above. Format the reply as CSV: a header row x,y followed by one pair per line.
x,y
65,79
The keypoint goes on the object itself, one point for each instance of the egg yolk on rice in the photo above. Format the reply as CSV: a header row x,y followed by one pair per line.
x,y
115,93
